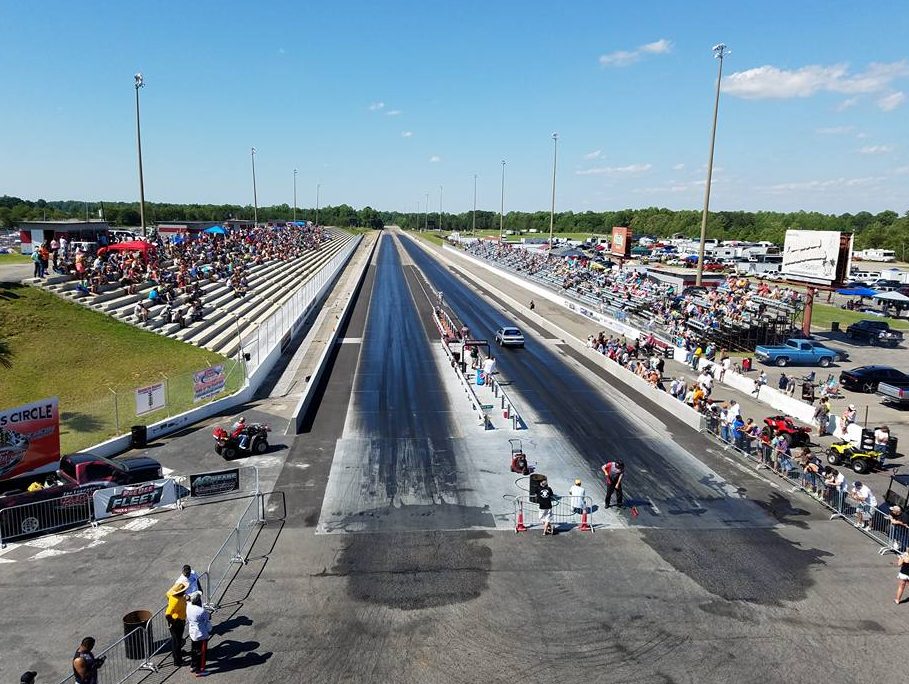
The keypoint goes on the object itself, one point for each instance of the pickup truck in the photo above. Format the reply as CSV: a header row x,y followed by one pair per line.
x,y
69,491
799,352
874,332
894,393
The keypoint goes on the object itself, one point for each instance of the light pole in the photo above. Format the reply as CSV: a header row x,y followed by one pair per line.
x,y
719,51
502,209
426,215
252,154
440,209
555,156
474,228
140,83
295,195
318,188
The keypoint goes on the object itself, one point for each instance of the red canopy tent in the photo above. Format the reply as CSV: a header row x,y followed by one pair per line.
x,y
131,246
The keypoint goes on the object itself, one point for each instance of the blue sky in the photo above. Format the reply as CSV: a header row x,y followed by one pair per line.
x,y
382,102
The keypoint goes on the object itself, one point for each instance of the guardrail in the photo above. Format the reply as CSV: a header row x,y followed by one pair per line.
x,y
572,511
41,517
891,534
509,408
231,552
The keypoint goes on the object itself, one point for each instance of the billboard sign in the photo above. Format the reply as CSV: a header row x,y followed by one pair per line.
x,y
209,382
816,255
621,241
29,437
150,398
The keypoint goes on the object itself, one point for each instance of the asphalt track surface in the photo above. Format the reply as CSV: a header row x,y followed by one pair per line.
x,y
721,578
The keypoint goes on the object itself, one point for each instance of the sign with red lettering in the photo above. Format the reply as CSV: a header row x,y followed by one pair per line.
x,y
131,498
29,438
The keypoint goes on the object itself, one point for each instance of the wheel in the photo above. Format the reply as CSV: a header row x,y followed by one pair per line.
x,y
860,466
825,362
30,525
218,449
229,453
850,334
260,446
782,361
869,387
833,458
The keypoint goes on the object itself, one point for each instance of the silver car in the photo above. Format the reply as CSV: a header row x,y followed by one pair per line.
x,y
509,337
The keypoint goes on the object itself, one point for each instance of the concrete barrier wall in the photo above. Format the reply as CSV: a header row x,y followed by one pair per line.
x,y
303,406
662,399
117,445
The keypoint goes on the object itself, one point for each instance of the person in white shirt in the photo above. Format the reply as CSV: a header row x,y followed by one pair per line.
x,y
865,503
577,494
489,366
882,442
190,579
199,622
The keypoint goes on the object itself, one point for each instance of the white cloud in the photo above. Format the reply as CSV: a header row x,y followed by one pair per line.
x,y
861,136
614,170
621,58
891,101
846,104
376,106
406,134
678,167
593,155
834,130
393,112
435,158
901,170
833,184
875,149
770,82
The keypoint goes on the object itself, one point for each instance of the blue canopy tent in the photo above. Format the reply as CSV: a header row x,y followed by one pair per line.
x,y
857,291
219,230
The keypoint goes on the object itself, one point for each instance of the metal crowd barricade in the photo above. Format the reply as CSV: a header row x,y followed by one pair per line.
x,y
509,410
40,517
231,551
567,511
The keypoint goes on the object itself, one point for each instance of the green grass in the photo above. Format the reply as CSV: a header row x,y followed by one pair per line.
x,y
823,315
14,259
93,363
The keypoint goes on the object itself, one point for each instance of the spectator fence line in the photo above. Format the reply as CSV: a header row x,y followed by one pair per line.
x,y
40,517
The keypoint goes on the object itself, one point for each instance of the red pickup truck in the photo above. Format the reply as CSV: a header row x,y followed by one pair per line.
x,y
68,492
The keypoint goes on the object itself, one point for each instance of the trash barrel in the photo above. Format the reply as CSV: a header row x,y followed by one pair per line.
x,y
138,643
867,441
535,483
138,436
891,447
834,326
481,377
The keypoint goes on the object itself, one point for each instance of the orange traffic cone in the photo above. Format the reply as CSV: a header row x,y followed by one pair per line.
x,y
519,524
585,526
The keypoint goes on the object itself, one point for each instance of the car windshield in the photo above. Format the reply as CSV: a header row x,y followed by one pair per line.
x,y
511,331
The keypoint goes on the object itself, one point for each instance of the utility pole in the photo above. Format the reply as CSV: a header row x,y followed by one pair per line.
x,y
502,209
140,83
318,188
295,195
252,154
474,227
719,51
555,155
440,209
426,215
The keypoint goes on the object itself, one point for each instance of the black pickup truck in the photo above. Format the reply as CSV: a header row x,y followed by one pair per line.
x,y
63,499
874,332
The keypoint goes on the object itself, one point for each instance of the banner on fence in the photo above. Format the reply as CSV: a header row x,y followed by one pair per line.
x,y
29,437
139,497
214,483
150,398
209,382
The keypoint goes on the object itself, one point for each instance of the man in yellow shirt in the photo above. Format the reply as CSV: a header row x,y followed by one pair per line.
x,y
175,614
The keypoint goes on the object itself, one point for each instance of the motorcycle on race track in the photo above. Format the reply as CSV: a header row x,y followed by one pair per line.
x,y
228,446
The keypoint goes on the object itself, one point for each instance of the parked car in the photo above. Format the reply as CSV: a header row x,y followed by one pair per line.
x,y
874,332
509,337
867,378
799,352
885,285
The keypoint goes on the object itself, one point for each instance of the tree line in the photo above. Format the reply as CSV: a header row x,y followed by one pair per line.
x,y
885,230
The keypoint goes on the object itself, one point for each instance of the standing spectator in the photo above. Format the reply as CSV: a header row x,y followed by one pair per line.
x,y
489,367
577,494
532,305
28,677
783,383
175,614
882,442
725,424
848,417
85,664
902,577
759,382
790,387
614,471
865,503
199,622
36,260
725,365
899,528
696,357
545,498
189,577
834,483
738,432
822,416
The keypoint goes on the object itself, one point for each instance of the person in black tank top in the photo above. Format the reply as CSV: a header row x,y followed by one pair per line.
x,y
85,664
902,579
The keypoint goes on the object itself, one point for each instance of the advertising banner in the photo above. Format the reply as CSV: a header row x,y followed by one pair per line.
x,y
209,382
621,241
150,398
29,437
214,483
129,498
